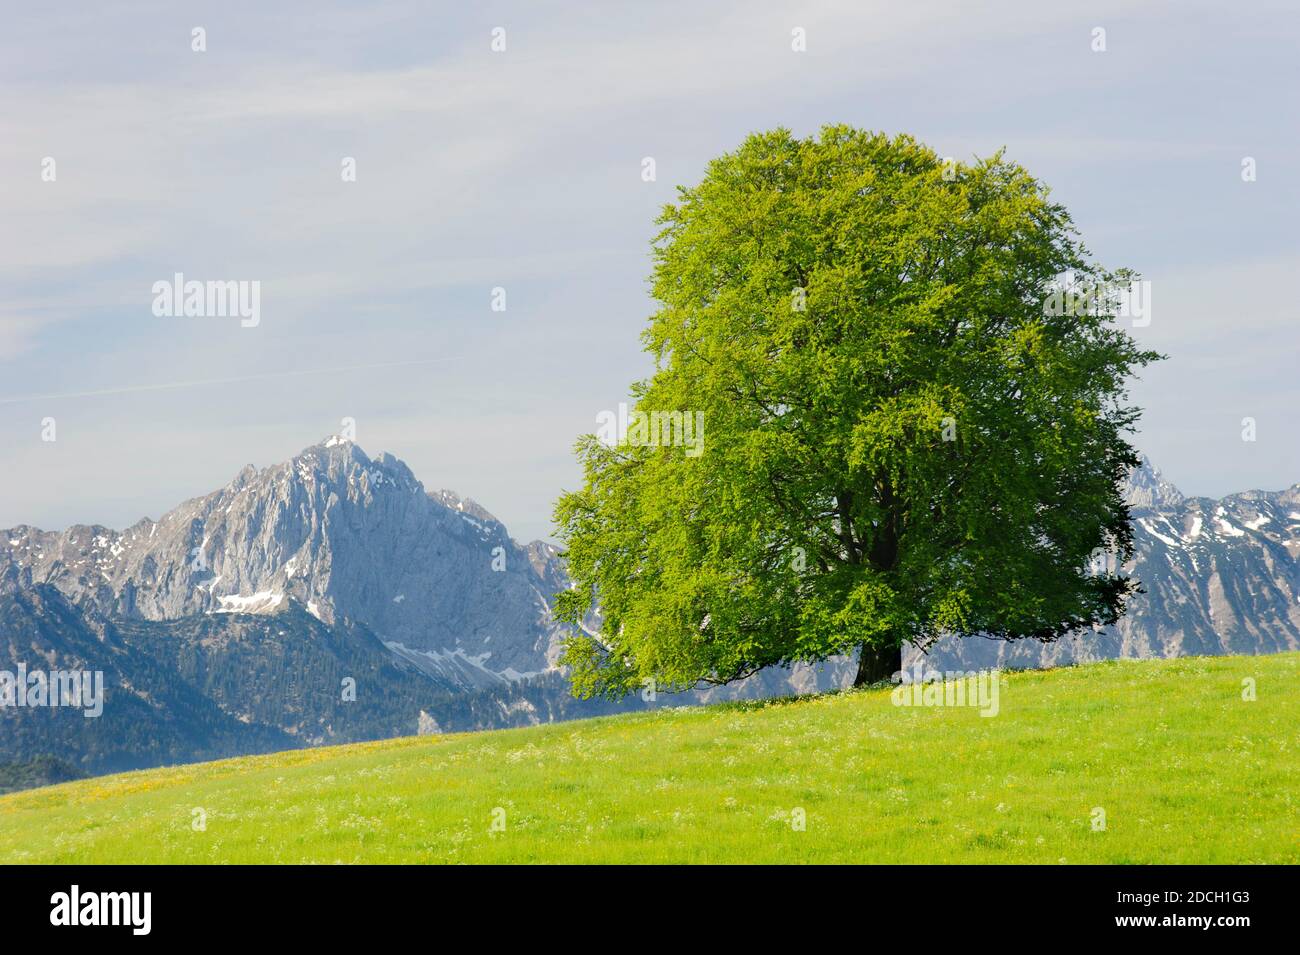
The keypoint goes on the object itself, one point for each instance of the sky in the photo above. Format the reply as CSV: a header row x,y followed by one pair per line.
x,y
521,169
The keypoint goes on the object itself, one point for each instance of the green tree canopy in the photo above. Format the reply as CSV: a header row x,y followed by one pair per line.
x,y
902,438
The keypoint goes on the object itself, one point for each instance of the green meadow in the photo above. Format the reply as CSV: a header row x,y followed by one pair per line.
x,y
1121,762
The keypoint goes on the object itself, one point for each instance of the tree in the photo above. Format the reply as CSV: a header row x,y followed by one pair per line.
x,y
914,392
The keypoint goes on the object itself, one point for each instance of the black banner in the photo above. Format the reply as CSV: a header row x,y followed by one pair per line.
x,y
332,904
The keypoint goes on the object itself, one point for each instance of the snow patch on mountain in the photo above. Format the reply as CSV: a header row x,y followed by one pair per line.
x,y
262,602
348,537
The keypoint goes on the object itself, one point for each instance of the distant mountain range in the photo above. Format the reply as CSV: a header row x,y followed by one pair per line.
x,y
205,686
350,539
235,623
1220,577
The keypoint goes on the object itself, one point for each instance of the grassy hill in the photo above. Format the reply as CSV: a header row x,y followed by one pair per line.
x,y
1184,769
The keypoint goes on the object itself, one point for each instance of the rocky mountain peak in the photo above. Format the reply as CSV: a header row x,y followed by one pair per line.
x,y
1147,487
344,535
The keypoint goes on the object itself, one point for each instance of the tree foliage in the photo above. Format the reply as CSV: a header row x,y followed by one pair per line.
x,y
901,441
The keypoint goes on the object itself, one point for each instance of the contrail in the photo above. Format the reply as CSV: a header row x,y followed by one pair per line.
x,y
129,389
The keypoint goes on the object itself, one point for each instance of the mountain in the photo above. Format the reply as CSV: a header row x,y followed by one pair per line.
x,y
351,539
148,717
358,542
1148,489
42,771
1221,577
331,598
206,686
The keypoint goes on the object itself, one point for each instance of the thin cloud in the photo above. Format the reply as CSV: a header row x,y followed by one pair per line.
x,y
206,382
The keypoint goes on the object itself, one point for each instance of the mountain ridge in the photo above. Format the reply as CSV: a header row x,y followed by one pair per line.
x,y
359,542
349,537
1219,576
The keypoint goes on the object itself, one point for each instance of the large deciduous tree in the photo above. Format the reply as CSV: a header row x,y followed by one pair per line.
x,y
905,434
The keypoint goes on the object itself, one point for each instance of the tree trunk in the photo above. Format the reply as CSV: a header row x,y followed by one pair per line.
x,y
878,664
